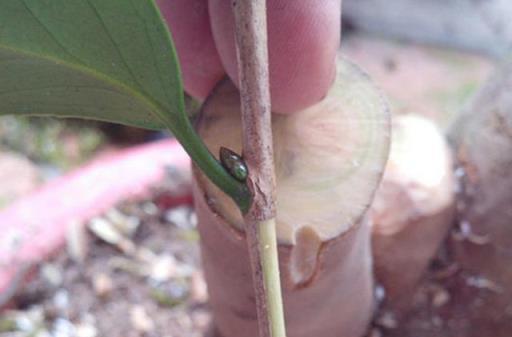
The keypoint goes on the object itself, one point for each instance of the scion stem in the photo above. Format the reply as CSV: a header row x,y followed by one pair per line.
x,y
212,168
251,37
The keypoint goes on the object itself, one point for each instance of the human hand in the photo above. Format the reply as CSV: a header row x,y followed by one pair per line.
x,y
303,39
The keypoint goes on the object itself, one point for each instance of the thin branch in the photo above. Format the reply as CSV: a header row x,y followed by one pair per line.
x,y
251,36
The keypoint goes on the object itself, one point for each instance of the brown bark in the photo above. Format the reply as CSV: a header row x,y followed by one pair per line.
x,y
482,139
252,54
413,208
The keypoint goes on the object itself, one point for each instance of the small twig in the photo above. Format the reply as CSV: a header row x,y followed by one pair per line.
x,y
251,36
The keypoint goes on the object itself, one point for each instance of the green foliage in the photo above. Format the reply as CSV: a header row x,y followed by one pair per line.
x,y
90,59
110,60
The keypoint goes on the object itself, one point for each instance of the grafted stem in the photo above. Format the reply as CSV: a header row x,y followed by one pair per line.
x,y
251,37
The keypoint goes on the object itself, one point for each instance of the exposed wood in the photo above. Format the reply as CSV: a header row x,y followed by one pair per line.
x,y
338,301
413,208
327,283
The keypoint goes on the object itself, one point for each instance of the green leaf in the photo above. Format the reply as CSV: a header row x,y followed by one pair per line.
x,y
99,59
110,60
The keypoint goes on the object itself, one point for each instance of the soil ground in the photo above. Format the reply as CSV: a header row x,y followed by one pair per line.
x,y
151,285
449,302
153,288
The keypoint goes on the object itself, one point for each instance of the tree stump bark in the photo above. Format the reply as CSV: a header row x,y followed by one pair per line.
x,y
482,140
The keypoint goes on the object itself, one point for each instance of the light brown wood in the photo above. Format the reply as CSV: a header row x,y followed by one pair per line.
x,y
413,208
338,301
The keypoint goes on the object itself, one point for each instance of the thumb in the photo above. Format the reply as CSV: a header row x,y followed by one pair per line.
x,y
303,39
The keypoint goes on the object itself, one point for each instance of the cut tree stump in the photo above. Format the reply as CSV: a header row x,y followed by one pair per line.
x,y
329,160
337,302
413,208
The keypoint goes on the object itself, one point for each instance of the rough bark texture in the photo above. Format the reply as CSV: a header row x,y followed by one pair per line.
x,y
413,208
337,302
482,138
483,26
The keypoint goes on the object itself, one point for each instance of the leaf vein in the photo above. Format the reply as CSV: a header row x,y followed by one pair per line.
x,y
159,111
50,33
15,91
116,47
159,72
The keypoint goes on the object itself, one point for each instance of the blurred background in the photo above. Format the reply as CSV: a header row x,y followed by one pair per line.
x,y
139,247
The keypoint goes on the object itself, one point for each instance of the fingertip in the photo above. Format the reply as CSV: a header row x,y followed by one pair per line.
x,y
189,24
303,39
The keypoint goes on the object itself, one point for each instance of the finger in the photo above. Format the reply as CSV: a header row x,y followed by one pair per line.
x,y
303,39
189,23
